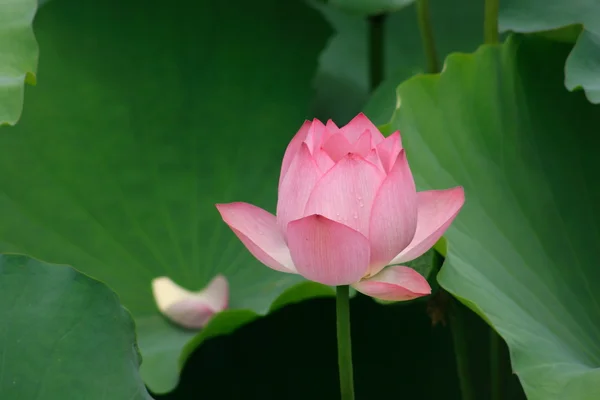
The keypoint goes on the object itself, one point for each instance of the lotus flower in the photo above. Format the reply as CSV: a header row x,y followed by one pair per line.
x,y
347,208
191,310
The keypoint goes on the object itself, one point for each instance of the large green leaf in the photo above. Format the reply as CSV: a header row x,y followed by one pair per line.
x,y
342,80
583,64
521,252
63,336
147,115
18,56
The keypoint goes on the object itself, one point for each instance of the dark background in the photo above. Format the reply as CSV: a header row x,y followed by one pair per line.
x,y
291,354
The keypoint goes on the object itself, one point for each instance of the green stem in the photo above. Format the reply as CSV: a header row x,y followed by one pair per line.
x,y
458,328
497,365
376,50
426,30
490,22
342,304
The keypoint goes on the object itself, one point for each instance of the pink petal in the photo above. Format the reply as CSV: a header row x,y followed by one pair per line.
x,y
259,232
337,147
296,187
332,127
191,310
315,135
326,251
362,146
346,192
292,149
353,129
330,130
389,149
394,215
395,284
324,162
437,210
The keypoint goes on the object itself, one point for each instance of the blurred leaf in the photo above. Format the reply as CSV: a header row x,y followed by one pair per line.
x,y
583,64
424,264
520,253
342,80
370,7
146,116
63,336
567,34
18,56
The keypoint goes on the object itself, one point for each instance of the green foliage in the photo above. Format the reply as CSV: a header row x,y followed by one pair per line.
x,y
520,253
63,336
18,56
583,64
147,115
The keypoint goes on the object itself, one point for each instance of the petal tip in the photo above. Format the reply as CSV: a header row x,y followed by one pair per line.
x,y
224,208
460,190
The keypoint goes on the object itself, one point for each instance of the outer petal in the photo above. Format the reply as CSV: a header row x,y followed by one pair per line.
x,y
389,149
190,309
292,149
259,232
326,251
437,210
353,129
296,187
394,215
337,147
396,283
345,193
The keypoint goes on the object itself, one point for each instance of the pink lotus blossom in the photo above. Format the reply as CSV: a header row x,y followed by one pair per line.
x,y
191,310
347,208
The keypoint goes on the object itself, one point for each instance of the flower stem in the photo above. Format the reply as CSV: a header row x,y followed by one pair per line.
x,y
490,22
344,341
426,30
497,365
458,328
376,50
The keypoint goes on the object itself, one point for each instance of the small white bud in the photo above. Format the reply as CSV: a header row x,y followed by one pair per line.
x,y
191,310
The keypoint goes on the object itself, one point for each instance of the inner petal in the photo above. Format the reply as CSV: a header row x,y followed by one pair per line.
x,y
362,146
345,193
314,137
337,147
324,162
389,149
353,129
